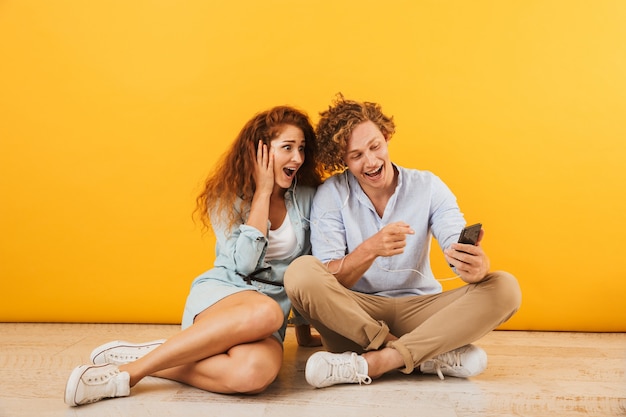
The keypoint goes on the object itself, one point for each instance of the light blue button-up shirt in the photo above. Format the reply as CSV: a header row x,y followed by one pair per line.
x,y
343,217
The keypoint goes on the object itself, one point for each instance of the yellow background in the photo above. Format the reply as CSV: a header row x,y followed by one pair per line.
x,y
112,113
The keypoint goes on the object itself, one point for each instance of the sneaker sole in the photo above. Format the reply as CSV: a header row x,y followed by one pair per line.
x,y
72,385
98,355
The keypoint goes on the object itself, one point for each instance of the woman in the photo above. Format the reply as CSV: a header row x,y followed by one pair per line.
x,y
236,313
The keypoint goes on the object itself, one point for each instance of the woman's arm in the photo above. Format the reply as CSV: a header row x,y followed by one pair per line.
x,y
243,243
264,180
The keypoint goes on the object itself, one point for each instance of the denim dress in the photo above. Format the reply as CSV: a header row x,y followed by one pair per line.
x,y
240,263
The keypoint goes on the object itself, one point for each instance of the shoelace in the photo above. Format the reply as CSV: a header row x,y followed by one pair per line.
x,y
447,360
348,370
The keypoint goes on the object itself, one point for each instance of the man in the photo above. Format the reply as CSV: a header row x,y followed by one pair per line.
x,y
368,288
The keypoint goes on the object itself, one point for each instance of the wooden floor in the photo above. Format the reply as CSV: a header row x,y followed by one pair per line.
x,y
529,374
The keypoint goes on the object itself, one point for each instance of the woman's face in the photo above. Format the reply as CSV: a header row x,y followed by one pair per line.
x,y
288,148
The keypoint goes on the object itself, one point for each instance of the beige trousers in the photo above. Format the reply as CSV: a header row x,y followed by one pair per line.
x,y
425,325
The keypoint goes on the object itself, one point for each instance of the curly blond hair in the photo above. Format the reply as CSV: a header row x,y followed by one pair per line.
x,y
233,176
336,125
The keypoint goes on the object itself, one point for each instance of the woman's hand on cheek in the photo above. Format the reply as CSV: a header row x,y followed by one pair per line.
x,y
264,171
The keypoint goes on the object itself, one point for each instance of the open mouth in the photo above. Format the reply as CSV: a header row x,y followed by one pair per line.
x,y
290,172
374,173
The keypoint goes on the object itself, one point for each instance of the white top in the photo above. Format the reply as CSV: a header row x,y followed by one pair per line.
x,y
282,241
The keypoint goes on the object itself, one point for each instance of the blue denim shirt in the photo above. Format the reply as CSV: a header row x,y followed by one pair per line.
x,y
343,217
240,250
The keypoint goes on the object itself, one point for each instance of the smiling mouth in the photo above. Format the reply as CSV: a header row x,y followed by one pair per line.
x,y
290,172
374,173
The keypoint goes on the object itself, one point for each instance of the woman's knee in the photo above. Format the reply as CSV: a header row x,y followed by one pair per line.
x,y
266,315
248,311
258,379
255,372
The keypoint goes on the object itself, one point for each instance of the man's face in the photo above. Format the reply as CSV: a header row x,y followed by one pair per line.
x,y
367,157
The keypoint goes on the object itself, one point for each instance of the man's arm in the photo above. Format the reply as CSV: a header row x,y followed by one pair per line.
x,y
388,241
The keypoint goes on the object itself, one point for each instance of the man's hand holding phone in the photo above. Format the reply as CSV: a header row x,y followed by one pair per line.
x,y
469,259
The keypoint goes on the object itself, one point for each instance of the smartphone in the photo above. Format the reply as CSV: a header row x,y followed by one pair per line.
x,y
470,234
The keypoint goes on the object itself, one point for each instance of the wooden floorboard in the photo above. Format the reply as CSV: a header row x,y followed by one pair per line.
x,y
529,374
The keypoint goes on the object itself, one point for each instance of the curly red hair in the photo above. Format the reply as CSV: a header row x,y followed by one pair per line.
x,y
232,178
337,123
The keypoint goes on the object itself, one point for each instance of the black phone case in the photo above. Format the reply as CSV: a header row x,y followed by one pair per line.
x,y
469,235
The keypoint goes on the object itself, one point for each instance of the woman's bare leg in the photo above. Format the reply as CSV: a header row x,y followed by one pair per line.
x,y
245,369
239,319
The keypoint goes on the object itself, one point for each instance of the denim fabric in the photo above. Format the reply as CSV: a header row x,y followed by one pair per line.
x,y
241,251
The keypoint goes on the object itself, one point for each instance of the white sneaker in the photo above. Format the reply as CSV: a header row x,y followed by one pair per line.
x,y
463,362
90,383
120,352
324,369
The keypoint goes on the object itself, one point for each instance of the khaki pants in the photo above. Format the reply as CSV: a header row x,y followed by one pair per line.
x,y
426,325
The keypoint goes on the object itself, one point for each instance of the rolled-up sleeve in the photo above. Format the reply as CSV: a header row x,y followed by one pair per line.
x,y
240,248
